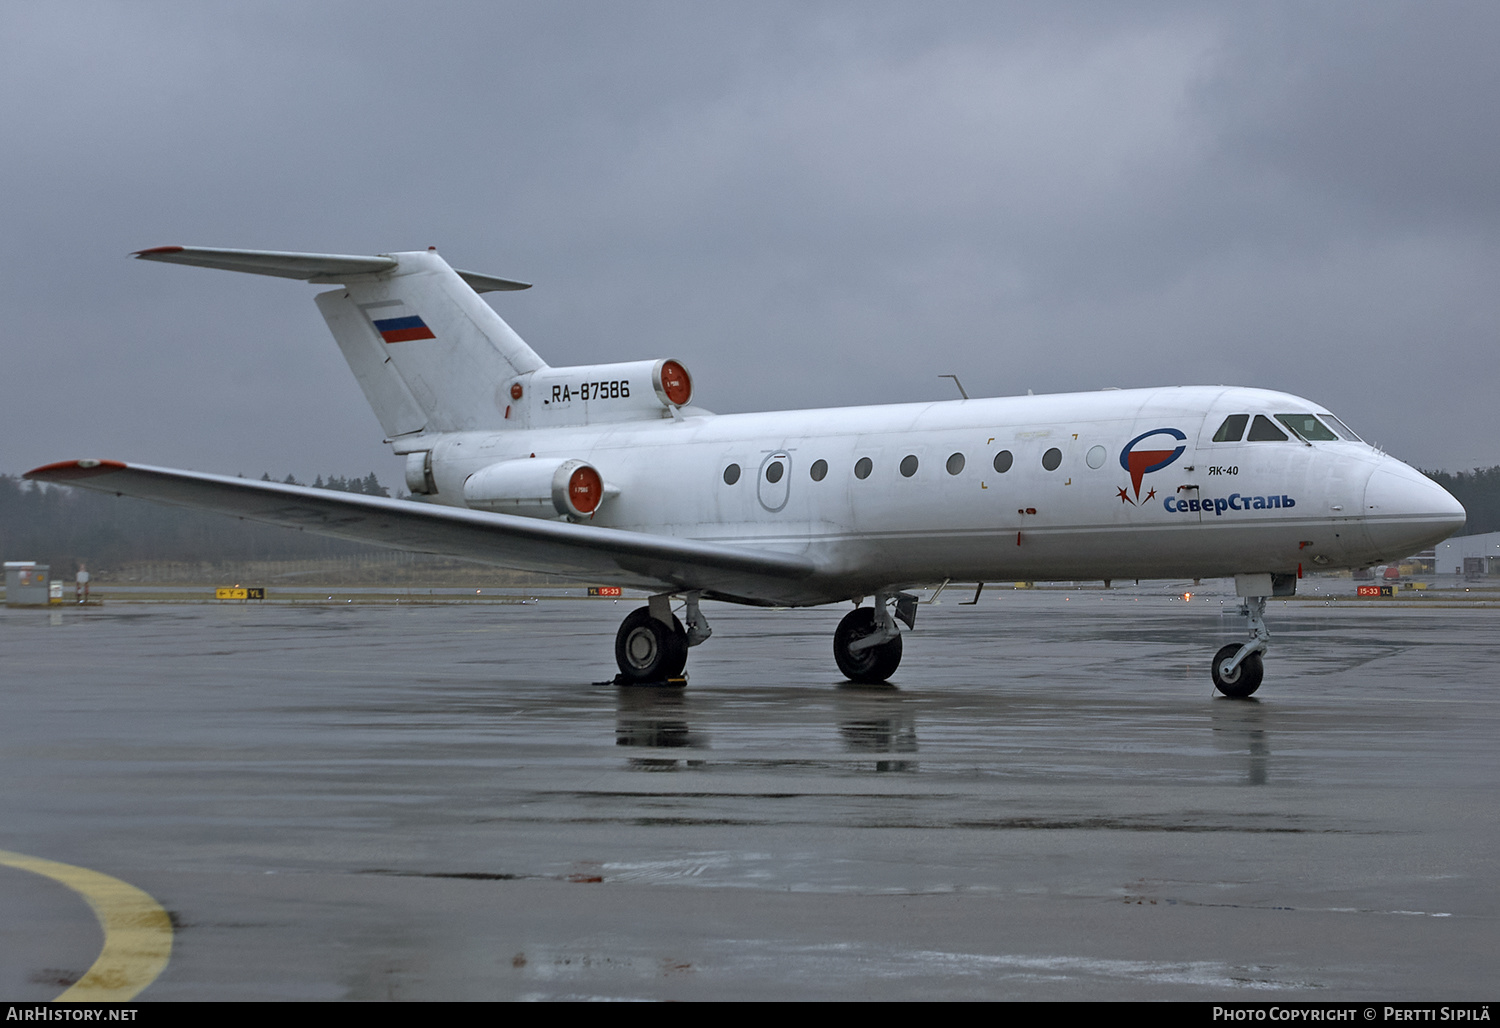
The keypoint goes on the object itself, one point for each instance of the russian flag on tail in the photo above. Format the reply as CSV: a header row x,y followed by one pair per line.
x,y
396,322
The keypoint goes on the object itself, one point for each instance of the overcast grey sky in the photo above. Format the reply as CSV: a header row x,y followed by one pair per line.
x,y
808,204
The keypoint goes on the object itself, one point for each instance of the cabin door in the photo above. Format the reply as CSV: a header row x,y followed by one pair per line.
x,y
773,483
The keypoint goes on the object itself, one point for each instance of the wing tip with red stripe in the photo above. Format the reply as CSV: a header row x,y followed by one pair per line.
x,y
72,470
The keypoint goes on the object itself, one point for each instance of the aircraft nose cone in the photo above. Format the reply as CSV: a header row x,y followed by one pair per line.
x,y
1405,511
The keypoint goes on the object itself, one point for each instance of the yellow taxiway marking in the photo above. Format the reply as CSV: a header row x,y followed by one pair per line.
x,y
137,931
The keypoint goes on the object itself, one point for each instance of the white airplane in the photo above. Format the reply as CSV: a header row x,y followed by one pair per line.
x,y
608,474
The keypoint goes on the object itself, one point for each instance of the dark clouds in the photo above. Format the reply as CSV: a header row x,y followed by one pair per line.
x,y
809,204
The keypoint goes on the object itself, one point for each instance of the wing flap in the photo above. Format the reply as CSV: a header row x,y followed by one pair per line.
x,y
587,552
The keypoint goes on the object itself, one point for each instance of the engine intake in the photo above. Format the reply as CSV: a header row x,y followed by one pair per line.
x,y
596,393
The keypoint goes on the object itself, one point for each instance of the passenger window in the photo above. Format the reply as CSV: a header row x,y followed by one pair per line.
x,y
774,471
1096,457
908,465
1051,459
863,467
1262,431
731,474
1233,429
1307,426
955,463
819,470
1003,460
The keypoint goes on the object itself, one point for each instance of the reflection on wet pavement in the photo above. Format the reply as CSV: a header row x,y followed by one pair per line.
x,y
436,802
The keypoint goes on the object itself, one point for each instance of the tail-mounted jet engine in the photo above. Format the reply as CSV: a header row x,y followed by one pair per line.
x,y
595,394
546,487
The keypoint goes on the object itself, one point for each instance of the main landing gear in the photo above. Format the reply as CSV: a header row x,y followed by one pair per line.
x,y
867,645
651,646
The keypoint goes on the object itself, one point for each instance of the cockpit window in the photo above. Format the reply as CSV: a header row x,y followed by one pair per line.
x,y
1341,428
1262,431
1308,427
1232,429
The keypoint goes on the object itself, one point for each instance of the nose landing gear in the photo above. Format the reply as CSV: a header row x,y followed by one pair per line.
x,y
1238,669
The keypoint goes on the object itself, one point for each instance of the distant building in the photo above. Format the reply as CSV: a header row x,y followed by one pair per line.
x,y
1469,555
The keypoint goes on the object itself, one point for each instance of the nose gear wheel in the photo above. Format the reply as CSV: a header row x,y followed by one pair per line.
x,y
1244,679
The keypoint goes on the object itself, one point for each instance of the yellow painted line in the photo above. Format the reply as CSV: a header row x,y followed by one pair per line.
x,y
137,931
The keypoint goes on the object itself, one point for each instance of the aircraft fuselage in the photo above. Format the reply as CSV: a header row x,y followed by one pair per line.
x,y
931,504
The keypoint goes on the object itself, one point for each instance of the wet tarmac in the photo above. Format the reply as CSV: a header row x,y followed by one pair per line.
x,y
434,802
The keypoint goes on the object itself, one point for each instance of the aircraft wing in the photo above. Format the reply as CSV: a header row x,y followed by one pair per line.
x,y
585,552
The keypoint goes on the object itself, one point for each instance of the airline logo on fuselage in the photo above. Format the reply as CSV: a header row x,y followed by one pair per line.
x,y
1148,452
1217,505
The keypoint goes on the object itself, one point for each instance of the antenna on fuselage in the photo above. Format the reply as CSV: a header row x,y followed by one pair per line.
x,y
956,382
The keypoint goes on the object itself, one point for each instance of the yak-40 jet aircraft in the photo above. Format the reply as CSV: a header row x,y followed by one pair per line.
x,y
608,474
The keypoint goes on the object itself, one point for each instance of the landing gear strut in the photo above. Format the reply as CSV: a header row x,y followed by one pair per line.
x,y
867,645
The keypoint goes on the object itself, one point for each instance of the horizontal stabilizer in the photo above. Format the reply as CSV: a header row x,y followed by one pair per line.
x,y
308,267
584,552
489,283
